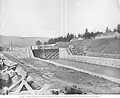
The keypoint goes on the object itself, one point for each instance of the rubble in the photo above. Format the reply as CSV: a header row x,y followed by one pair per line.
x,y
38,80
5,90
14,80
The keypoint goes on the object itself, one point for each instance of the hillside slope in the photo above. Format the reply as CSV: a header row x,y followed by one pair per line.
x,y
110,45
20,41
113,47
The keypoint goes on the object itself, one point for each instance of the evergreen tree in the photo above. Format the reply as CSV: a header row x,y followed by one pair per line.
x,y
118,28
38,42
114,30
107,30
92,35
86,35
79,35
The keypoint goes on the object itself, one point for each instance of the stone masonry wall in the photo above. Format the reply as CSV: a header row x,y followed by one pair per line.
x,y
87,59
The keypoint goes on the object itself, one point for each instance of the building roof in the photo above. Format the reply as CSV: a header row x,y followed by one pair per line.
x,y
106,34
76,39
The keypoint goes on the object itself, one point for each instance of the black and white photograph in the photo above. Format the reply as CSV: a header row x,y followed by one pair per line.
x,y
59,47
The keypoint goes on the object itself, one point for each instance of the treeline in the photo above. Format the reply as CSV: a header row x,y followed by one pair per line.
x,y
59,39
86,35
1,48
69,36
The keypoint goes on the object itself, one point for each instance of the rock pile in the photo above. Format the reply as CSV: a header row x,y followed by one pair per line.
x,y
14,80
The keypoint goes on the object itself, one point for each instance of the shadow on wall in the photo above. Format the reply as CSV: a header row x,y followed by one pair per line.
x,y
87,59
46,53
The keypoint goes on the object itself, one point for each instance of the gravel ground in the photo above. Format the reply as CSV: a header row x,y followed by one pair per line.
x,y
68,75
62,75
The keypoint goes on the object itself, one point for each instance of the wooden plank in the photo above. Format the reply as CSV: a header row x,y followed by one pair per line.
x,y
19,88
21,72
14,85
28,87
30,90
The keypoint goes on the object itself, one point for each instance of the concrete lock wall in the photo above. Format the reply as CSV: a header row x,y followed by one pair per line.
x,y
87,59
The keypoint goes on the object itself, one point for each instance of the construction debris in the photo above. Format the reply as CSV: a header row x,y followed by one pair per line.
x,y
14,80
34,77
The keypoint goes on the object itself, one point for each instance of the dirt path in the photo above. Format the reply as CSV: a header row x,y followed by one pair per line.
x,y
63,75
106,70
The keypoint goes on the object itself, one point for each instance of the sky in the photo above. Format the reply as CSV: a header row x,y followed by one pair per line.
x,y
39,18
92,14
47,18
0,14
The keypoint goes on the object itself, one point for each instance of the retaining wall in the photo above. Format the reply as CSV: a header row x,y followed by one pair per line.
x,y
87,59
30,53
63,55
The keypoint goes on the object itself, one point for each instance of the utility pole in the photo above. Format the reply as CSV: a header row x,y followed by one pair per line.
x,y
11,45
